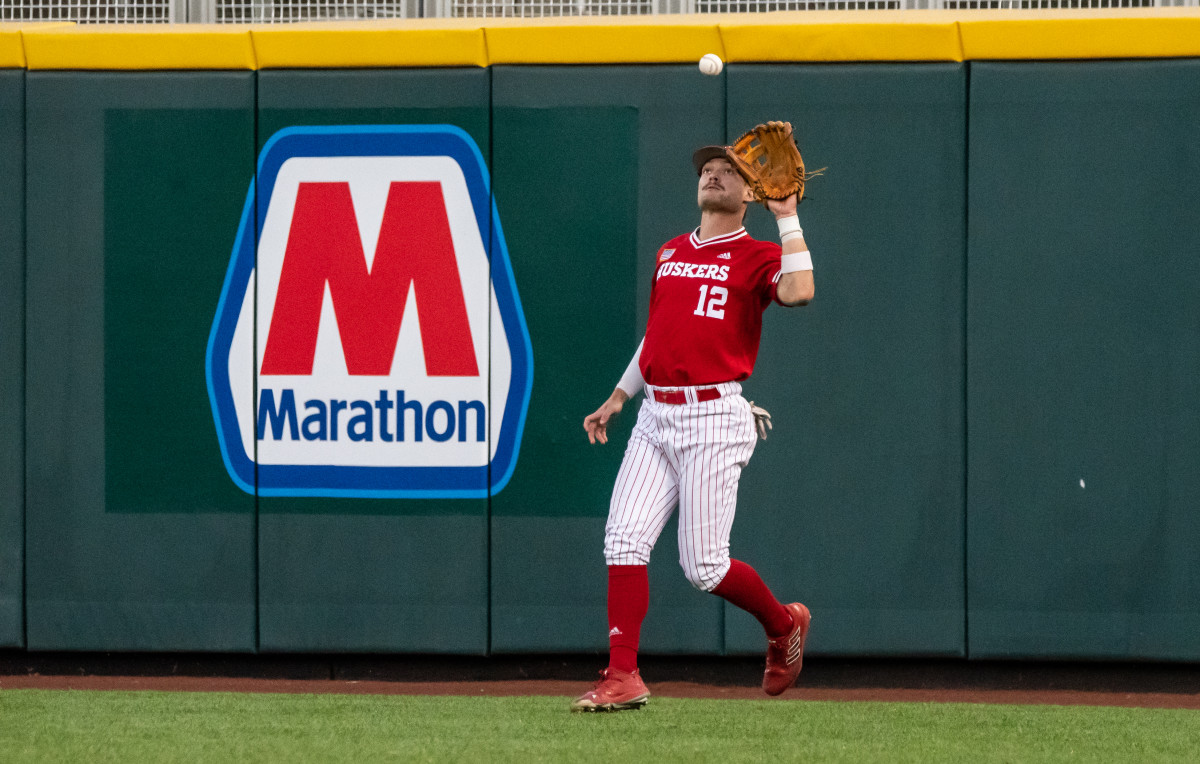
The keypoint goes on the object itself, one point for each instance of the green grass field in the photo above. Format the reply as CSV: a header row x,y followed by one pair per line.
x,y
55,725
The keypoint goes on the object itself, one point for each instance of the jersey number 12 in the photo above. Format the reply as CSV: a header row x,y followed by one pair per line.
x,y
716,298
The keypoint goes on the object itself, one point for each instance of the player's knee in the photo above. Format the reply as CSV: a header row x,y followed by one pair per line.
x,y
620,550
705,574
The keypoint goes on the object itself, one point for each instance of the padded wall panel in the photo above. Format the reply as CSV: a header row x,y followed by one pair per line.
x,y
854,505
1084,360
592,174
374,574
12,358
136,537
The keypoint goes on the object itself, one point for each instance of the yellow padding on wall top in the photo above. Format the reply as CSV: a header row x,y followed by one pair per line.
x,y
816,36
415,42
1091,33
12,46
148,46
842,36
603,40
12,54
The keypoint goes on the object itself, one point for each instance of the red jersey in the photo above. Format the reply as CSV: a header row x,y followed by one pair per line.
x,y
706,306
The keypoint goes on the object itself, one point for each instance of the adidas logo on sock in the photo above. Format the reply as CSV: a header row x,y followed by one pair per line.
x,y
614,632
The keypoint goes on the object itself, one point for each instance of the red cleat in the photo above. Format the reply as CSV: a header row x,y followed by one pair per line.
x,y
616,691
785,655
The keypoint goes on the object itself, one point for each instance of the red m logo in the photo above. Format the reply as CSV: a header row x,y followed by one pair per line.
x,y
415,248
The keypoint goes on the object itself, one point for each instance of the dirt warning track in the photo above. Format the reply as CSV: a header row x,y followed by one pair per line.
x,y
1128,685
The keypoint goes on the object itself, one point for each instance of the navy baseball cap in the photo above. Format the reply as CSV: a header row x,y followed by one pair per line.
x,y
705,153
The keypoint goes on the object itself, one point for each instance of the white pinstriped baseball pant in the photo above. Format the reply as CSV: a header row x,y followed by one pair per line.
x,y
690,454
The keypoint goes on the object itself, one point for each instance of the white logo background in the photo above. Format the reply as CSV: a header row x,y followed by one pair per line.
x,y
369,179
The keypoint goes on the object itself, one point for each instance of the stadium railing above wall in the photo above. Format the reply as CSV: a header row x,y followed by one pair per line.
x,y
284,11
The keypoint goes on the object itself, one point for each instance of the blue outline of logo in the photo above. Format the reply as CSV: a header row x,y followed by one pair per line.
x,y
369,482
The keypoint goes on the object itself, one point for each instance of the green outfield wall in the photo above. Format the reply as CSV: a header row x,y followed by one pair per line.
x,y
12,358
987,423
1083,372
136,539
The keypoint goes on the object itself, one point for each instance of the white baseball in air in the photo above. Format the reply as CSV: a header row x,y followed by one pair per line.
x,y
711,64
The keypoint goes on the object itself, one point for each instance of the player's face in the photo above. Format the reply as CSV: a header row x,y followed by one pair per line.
x,y
722,188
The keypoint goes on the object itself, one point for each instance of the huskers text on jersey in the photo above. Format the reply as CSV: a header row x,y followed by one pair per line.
x,y
369,340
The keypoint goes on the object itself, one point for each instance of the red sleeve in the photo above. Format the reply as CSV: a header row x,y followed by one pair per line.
x,y
770,271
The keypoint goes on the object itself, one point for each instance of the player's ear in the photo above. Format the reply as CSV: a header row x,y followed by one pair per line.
x,y
747,193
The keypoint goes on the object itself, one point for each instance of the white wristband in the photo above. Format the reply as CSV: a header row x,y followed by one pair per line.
x,y
789,225
796,261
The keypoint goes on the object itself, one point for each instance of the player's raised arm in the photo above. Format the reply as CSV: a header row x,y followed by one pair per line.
x,y
596,423
796,285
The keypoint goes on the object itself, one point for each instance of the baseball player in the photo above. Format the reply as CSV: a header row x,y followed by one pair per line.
x,y
695,432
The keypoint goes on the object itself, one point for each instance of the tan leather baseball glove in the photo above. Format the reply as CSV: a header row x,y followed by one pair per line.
x,y
767,157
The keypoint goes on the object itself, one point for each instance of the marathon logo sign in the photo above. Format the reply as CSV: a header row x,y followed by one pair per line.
x,y
369,340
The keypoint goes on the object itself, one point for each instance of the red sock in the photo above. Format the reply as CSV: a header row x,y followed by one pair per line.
x,y
743,587
628,600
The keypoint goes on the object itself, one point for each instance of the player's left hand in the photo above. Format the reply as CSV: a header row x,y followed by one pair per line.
x,y
782,208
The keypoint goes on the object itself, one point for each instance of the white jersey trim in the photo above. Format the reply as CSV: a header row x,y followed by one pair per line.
x,y
722,239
